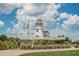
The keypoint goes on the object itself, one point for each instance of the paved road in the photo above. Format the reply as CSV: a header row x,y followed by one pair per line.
x,y
16,52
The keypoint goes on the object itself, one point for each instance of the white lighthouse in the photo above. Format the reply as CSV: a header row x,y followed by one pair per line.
x,y
39,29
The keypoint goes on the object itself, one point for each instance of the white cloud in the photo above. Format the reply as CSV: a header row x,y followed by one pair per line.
x,y
70,21
8,30
34,11
1,23
64,15
51,12
7,8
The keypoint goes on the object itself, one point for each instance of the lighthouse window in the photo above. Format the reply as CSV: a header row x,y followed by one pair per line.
x,y
37,35
37,30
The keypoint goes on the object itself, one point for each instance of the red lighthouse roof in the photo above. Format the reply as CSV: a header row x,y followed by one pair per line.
x,y
38,21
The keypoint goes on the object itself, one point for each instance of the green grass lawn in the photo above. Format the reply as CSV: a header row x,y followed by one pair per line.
x,y
54,53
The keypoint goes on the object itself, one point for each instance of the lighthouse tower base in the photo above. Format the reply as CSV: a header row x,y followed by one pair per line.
x,y
38,33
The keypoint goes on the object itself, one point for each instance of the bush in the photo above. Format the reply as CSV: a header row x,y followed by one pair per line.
x,y
25,46
76,45
7,46
3,46
10,45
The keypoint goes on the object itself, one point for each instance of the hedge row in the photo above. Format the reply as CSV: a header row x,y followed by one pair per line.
x,y
24,46
7,45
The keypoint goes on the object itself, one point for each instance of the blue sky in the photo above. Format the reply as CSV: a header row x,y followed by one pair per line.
x,y
7,19
71,8
12,16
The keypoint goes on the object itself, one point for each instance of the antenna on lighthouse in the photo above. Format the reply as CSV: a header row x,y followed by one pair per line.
x,y
28,29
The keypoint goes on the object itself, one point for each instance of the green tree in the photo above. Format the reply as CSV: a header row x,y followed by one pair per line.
x,y
3,37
